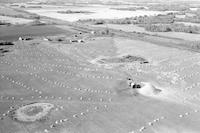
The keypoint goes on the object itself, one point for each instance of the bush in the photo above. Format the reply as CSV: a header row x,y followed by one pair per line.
x,y
4,23
195,45
6,43
99,22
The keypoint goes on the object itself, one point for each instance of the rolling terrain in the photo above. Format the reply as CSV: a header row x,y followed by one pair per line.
x,y
91,97
67,77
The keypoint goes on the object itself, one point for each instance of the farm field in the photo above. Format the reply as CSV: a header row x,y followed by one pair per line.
x,y
60,75
90,97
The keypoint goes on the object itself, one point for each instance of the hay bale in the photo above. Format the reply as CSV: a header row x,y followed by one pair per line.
x,y
149,90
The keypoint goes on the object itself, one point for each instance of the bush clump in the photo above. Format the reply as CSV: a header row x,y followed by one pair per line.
x,y
6,43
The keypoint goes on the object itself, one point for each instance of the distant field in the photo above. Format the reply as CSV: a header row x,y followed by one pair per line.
x,y
14,32
188,23
11,12
132,28
99,12
124,27
14,20
180,35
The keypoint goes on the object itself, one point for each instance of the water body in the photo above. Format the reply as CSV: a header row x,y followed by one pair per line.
x,y
99,12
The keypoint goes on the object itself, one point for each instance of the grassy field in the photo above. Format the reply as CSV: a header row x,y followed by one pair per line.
x,y
7,11
14,21
135,28
59,69
90,98
12,33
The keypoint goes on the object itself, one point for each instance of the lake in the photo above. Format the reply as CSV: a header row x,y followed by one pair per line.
x,y
99,12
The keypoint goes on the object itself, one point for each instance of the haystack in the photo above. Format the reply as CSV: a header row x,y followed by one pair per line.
x,y
149,89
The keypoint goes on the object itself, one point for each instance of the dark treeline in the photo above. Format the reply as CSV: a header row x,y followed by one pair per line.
x,y
193,18
195,45
172,27
71,12
134,20
189,16
32,16
169,7
4,23
129,8
189,19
